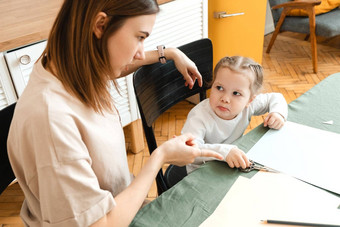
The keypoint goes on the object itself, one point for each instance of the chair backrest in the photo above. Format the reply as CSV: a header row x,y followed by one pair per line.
x,y
6,172
160,86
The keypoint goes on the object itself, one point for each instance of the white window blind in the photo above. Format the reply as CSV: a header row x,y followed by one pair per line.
x,y
179,22
20,63
7,92
121,101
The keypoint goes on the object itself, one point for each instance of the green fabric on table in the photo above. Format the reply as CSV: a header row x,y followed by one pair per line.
x,y
196,197
193,199
320,104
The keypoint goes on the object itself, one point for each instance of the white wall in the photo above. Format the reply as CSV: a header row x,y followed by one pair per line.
x,y
269,27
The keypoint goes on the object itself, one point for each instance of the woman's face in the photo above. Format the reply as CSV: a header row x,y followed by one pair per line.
x,y
127,43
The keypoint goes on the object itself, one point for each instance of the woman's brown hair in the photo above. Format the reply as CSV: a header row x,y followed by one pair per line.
x,y
81,61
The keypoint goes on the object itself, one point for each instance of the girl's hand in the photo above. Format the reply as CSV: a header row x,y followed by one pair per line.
x,y
274,120
181,150
185,66
237,158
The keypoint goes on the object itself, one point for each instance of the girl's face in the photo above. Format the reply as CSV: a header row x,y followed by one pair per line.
x,y
127,43
230,93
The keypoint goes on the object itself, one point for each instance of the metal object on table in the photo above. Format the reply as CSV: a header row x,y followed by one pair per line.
x,y
254,166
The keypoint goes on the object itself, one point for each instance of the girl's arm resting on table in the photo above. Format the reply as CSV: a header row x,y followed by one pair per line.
x,y
183,64
270,102
274,120
234,156
273,103
222,149
128,202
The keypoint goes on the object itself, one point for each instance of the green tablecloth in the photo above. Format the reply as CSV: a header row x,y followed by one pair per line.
x,y
196,197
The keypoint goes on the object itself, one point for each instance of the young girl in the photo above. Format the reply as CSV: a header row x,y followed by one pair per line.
x,y
66,144
220,120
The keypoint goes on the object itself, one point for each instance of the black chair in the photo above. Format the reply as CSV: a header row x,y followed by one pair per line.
x,y
6,172
160,86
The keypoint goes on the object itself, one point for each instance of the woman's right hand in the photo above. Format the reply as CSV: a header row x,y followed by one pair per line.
x,y
181,150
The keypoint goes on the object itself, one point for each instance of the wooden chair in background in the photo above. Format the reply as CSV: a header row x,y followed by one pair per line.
x,y
324,25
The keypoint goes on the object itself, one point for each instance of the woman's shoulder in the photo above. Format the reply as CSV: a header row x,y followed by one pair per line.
x,y
45,100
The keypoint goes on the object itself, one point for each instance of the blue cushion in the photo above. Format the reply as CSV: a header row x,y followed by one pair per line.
x,y
327,24
276,12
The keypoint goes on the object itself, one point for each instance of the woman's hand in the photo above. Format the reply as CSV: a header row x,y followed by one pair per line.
x,y
181,150
237,158
274,121
185,66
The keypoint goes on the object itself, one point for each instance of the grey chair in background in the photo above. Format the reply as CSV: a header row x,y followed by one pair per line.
x,y
324,25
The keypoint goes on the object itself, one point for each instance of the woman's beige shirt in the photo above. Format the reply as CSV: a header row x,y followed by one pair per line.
x,y
69,160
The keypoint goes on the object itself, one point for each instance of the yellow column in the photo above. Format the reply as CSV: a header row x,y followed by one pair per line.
x,y
238,35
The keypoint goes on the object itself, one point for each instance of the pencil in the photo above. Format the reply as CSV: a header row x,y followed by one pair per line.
x,y
270,221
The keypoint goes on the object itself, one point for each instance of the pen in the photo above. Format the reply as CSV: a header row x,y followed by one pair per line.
x,y
269,221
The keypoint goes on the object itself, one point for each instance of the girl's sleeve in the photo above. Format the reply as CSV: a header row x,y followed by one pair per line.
x,y
196,125
269,103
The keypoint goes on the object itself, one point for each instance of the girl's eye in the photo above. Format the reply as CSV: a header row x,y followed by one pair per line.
x,y
141,38
236,93
220,88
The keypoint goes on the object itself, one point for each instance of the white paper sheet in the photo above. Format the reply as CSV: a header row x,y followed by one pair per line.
x,y
307,153
289,199
236,208
274,196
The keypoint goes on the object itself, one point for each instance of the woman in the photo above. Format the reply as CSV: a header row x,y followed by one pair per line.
x,y
66,143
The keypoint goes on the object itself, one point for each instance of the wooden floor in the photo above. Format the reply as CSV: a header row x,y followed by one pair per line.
x,y
288,70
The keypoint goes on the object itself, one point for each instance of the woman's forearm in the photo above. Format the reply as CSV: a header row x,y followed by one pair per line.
x,y
150,58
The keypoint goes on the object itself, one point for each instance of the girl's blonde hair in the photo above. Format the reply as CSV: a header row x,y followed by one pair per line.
x,y
81,61
243,65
